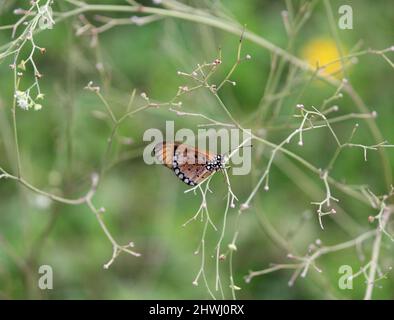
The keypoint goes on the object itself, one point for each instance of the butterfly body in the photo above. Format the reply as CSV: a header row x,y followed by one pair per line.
x,y
189,164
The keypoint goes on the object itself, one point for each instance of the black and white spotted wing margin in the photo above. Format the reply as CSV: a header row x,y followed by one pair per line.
x,y
189,164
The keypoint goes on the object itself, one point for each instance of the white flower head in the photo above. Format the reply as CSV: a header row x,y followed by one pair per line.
x,y
22,100
37,107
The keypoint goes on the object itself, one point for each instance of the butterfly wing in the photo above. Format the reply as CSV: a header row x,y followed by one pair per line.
x,y
164,152
193,174
185,154
188,163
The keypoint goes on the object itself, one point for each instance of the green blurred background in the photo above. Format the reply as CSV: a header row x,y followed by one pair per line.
x,y
62,144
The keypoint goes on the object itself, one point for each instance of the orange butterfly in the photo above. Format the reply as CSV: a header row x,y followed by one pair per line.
x,y
189,164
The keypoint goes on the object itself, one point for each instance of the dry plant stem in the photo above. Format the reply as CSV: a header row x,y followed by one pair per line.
x,y
305,262
237,62
310,187
276,148
285,243
231,198
375,253
117,249
129,113
305,114
218,284
229,204
203,209
201,271
15,129
296,157
345,117
212,121
107,107
233,247
326,201
21,180
362,271
87,199
117,123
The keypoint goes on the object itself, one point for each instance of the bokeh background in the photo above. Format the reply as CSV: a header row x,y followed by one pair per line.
x,y
62,144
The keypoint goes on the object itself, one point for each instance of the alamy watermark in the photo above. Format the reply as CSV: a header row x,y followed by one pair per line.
x,y
345,20
217,141
46,17
345,282
45,281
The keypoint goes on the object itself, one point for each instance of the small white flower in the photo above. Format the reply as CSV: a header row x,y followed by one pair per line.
x,y
22,100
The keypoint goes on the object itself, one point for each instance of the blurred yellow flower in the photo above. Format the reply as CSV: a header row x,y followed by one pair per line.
x,y
322,51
